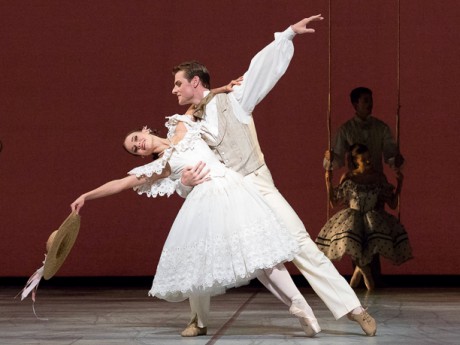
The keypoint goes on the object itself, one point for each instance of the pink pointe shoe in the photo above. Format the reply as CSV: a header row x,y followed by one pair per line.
x,y
309,323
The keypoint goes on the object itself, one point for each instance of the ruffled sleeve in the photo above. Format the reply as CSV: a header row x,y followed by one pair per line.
x,y
193,131
164,186
153,188
341,192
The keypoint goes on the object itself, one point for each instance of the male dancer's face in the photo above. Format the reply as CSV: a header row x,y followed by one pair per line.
x,y
364,106
184,89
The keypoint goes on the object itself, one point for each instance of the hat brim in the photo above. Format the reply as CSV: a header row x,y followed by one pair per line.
x,y
61,245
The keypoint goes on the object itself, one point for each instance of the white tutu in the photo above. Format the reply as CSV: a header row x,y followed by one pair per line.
x,y
223,235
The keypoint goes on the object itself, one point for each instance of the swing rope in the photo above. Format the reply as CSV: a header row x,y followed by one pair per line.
x,y
398,90
329,143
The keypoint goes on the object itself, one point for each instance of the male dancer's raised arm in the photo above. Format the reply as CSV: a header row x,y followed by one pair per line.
x,y
264,71
269,65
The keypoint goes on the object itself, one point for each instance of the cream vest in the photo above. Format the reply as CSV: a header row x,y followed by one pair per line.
x,y
236,145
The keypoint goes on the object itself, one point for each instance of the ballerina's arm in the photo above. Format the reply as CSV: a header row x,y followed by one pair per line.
x,y
114,187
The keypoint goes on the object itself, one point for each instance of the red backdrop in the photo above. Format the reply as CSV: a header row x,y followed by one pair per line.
x,y
77,75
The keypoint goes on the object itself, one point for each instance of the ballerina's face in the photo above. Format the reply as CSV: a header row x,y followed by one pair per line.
x,y
139,143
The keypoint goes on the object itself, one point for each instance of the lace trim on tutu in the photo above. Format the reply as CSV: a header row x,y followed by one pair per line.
x,y
216,263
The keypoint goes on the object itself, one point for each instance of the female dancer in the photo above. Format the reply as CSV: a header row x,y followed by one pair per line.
x,y
364,229
224,234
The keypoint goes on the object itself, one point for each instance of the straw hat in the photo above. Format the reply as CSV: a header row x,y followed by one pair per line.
x,y
60,243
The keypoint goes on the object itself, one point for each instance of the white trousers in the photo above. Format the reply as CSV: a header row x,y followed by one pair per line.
x,y
319,271
199,306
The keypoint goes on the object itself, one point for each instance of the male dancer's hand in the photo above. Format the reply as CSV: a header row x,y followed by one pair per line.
x,y
192,176
301,27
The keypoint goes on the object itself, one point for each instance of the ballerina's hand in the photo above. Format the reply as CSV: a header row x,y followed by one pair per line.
x,y
77,204
229,87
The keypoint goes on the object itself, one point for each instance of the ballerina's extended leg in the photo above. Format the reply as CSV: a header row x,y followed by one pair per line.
x,y
279,282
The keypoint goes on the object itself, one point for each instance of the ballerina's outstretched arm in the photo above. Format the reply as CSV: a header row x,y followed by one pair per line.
x,y
116,186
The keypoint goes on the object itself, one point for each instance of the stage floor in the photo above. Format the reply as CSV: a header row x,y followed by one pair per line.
x,y
248,315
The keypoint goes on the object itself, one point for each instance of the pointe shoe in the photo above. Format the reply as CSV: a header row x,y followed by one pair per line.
x,y
356,278
368,279
309,324
192,330
367,322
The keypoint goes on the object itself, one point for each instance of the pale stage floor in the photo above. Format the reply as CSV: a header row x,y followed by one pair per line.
x,y
101,315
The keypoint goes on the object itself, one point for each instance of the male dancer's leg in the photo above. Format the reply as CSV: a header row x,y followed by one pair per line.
x,y
321,274
200,306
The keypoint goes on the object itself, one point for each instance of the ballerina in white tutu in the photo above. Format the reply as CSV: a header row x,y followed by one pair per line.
x,y
223,236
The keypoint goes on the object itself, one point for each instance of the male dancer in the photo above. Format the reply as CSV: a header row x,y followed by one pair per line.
x,y
233,138
368,130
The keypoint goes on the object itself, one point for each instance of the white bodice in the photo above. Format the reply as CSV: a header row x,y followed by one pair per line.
x,y
188,152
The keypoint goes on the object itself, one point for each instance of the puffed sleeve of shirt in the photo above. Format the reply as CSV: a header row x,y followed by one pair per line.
x,y
390,148
264,71
339,148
